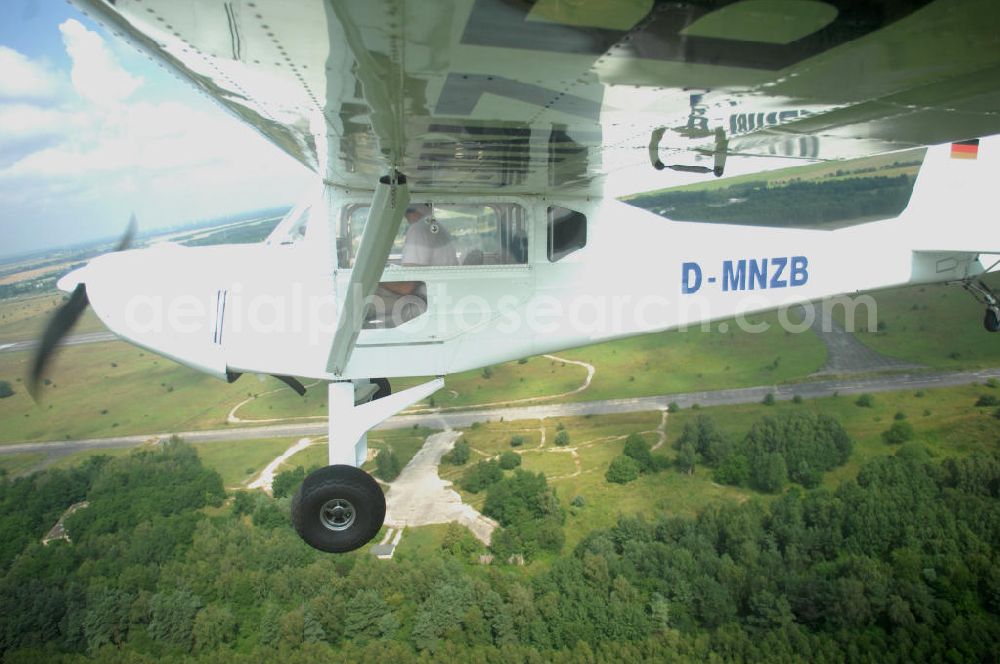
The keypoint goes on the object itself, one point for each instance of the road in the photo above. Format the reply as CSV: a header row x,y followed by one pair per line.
x,y
461,419
71,340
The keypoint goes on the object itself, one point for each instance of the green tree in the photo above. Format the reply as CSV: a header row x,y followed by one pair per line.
x,y
214,627
459,455
900,432
287,482
5,389
107,618
562,438
734,470
770,473
637,448
172,616
387,465
686,458
481,475
622,470
510,460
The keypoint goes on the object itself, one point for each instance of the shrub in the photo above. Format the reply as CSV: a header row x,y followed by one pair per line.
x,y
5,389
487,373
734,470
797,398
578,501
901,431
900,415
987,400
459,455
510,460
562,438
637,448
768,399
865,400
387,465
286,481
686,457
992,383
673,407
622,470
516,441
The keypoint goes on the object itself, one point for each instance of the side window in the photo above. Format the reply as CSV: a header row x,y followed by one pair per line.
x,y
445,235
567,232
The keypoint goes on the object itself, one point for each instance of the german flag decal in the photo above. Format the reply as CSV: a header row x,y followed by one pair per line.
x,y
965,149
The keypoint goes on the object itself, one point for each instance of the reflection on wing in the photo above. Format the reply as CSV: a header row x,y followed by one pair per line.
x,y
475,95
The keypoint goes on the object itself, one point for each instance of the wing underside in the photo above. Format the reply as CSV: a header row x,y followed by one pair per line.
x,y
543,96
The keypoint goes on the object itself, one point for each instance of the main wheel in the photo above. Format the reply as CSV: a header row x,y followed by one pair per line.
x,y
338,509
991,321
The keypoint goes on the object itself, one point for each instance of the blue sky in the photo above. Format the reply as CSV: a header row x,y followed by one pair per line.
x,y
91,130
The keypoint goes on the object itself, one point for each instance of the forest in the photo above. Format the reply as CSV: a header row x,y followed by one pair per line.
x,y
900,564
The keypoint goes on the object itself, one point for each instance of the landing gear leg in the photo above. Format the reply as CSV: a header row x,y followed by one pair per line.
x,y
984,295
340,507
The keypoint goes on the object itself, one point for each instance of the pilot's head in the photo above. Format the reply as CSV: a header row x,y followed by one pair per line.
x,y
415,213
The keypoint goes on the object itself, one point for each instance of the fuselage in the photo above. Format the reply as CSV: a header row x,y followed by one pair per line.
x,y
273,307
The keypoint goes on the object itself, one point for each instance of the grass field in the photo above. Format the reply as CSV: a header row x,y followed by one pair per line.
x,y
936,325
25,317
695,360
111,389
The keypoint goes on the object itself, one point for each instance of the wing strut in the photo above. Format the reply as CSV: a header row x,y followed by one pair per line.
x,y
388,205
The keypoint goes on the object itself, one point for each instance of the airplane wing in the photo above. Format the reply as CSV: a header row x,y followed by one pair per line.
x,y
550,95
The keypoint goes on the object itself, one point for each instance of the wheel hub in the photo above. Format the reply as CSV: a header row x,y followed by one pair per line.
x,y
337,514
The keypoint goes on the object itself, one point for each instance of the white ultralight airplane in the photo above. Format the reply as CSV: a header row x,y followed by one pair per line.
x,y
468,154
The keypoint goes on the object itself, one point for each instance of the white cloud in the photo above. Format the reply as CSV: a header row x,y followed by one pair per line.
x,y
73,166
22,78
96,75
25,122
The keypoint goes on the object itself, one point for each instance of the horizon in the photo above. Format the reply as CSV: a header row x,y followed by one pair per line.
x,y
92,129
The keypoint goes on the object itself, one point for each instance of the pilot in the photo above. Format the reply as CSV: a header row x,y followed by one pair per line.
x,y
427,242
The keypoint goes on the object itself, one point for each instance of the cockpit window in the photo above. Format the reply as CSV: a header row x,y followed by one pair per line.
x,y
444,235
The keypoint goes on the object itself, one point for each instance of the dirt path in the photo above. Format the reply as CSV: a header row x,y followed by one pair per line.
x,y
265,479
661,431
419,497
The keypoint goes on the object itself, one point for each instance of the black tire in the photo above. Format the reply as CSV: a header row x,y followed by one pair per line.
x,y
991,321
384,388
338,509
